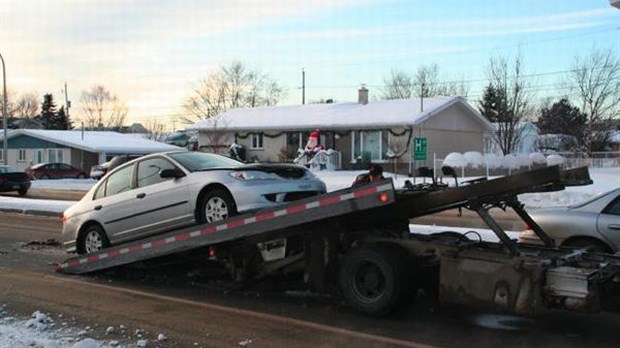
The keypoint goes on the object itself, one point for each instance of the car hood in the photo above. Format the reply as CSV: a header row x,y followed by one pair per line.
x,y
289,171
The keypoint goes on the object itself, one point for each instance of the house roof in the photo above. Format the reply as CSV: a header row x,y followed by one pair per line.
x,y
94,141
375,114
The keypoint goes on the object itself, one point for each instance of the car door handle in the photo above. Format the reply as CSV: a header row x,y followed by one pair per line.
x,y
98,207
614,227
141,195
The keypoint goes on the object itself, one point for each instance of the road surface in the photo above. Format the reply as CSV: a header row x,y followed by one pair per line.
x,y
189,306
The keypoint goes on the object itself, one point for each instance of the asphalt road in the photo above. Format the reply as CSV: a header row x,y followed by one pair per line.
x,y
189,305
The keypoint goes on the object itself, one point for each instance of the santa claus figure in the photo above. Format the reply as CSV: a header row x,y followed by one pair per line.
x,y
314,143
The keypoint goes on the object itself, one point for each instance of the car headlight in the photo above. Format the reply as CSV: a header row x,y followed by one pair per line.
x,y
251,175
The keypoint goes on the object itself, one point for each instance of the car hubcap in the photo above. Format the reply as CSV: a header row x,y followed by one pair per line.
x,y
92,242
216,209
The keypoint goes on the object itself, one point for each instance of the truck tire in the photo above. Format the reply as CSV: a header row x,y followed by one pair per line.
x,y
373,278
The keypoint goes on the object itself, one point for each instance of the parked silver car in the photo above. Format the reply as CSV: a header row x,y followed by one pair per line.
x,y
594,223
159,192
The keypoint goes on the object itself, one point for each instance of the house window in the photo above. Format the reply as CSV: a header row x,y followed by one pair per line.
x,y
369,145
2,156
257,141
38,156
21,155
55,155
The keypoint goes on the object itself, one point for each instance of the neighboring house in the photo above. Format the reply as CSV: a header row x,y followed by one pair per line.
x,y
363,132
614,140
81,149
529,139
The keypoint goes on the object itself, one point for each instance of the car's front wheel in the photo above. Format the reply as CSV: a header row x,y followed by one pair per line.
x,y
22,191
92,239
216,205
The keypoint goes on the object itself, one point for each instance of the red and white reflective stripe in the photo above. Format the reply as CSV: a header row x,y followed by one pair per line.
x,y
295,209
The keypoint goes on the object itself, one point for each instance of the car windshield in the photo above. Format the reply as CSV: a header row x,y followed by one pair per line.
x,y
197,161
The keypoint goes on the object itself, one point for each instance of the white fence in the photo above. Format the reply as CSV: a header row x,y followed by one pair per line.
x,y
520,162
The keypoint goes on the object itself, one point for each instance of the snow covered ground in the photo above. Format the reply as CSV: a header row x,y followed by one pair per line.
x,y
41,331
605,179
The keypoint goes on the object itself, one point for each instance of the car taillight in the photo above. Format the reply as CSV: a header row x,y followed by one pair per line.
x,y
2,180
63,219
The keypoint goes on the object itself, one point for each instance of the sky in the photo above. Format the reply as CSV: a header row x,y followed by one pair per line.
x,y
153,53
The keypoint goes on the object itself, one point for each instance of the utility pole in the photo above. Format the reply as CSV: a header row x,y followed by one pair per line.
x,y
303,86
67,101
422,97
5,154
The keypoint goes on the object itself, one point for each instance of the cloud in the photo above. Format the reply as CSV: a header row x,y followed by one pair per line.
x,y
450,28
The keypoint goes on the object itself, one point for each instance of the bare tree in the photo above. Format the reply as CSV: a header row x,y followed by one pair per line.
x,y
427,78
424,84
507,80
398,86
156,130
102,109
233,86
218,136
27,106
595,79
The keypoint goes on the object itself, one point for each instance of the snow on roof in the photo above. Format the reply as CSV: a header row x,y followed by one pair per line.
x,y
375,114
94,141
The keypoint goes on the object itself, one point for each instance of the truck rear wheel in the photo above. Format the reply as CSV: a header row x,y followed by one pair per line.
x,y
373,278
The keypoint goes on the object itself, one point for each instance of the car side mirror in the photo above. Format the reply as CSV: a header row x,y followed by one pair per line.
x,y
171,173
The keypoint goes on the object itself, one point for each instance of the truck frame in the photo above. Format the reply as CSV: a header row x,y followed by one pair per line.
x,y
356,242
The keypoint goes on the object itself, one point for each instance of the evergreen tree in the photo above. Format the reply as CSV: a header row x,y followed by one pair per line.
x,y
493,104
566,120
562,118
48,111
60,120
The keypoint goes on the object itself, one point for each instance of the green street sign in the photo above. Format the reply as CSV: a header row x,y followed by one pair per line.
x,y
419,149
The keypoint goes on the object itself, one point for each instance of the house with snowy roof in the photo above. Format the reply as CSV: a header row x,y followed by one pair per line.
x,y
363,131
81,149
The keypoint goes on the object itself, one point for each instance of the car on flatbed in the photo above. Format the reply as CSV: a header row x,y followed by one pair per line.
x,y
13,180
593,224
160,192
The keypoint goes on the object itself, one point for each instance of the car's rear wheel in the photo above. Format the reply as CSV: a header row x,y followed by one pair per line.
x,y
81,176
45,177
92,239
216,205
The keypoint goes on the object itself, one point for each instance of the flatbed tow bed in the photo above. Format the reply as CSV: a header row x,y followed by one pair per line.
x,y
357,240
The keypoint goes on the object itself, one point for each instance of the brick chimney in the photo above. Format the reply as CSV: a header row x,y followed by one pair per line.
x,y
362,96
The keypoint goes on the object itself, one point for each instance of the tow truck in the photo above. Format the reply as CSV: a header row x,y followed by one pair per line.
x,y
356,242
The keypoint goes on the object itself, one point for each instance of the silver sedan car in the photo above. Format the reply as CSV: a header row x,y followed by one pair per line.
x,y
593,224
160,192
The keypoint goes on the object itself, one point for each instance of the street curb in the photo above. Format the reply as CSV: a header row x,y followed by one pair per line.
x,y
31,212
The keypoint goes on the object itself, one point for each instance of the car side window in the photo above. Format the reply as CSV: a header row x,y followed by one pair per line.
x,y
119,181
148,171
613,208
100,193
